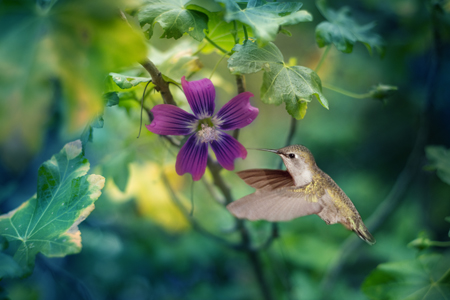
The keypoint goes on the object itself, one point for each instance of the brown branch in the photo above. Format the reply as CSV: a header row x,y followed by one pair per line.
x,y
215,168
160,84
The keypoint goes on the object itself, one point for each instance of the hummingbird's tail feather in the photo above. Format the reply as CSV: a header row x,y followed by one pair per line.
x,y
362,231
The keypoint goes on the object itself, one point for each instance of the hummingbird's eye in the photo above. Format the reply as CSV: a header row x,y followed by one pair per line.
x,y
291,155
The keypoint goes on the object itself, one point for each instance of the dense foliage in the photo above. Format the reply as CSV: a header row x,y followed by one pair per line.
x,y
79,79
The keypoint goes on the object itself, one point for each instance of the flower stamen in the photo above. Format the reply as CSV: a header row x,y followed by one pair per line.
x,y
207,134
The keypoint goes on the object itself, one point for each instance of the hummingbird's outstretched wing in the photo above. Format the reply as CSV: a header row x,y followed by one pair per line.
x,y
276,205
266,179
276,197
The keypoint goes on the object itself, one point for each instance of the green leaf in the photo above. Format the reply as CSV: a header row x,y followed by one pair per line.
x,y
439,158
265,20
342,31
111,98
88,133
98,122
48,222
70,44
293,85
173,17
220,32
425,278
127,82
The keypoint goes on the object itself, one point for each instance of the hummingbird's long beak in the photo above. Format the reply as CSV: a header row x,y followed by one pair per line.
x,y
267,150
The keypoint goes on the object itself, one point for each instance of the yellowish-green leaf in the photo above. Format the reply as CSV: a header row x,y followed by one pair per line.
x,y
221,33
293,85
48,222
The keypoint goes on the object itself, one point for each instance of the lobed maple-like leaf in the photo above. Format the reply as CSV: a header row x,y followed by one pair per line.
x,y
174,17
48,222
293,85
265,20
342,31
425,278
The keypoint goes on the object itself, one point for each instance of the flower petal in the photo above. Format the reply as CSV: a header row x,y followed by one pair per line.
x,y
200,95
237,113
171,120
192,158
227,149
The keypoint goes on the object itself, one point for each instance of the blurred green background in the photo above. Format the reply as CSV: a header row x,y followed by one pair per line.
x,y
138,245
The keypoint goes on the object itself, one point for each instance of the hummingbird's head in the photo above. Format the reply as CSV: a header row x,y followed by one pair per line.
x,y
295,157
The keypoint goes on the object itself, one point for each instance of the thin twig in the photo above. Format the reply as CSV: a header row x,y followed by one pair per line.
x,y
217,64
322,58
245,32
150,114
160,84
240,83
255,259
217,46
273,235
245,244
212,192
234,32
191,220
215,169
345,92
292,131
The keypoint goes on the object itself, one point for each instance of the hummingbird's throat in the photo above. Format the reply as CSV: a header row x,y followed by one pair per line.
x,y
207,132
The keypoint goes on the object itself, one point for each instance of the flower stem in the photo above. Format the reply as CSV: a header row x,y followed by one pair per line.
x,y
217,64
160,84
322,58
240,82
439,244
345,92
150,114
245,32
216,46
235,33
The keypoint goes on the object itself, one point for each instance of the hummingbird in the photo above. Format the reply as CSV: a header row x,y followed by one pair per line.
x,y
302,190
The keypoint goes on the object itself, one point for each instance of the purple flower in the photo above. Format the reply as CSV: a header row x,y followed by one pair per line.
x,y
204,128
